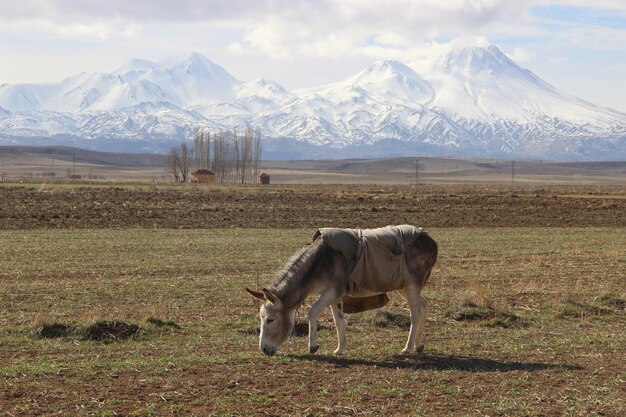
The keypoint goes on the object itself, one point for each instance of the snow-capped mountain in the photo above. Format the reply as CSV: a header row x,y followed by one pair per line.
x,y
459,99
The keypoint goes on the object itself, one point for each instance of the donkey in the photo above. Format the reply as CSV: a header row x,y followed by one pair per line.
x,y
321,269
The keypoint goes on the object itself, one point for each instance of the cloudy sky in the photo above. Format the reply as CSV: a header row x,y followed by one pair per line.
x,y
577,45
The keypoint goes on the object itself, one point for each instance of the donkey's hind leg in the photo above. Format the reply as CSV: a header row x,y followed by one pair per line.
x,y
340,325
417,306
419,336
327,298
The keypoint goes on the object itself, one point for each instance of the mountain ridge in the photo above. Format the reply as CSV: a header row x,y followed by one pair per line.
x,y
465,100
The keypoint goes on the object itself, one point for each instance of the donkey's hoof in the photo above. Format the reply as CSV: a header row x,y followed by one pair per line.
x,y
313,349
406,351
339,352
419,349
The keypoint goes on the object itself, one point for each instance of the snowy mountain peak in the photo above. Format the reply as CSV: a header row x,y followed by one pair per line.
x,y
392,81
135,65
389,67
477,59
196,65
263,95
463,98
264,84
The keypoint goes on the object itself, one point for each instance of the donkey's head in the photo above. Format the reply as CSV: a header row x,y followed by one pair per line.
x,y
276,321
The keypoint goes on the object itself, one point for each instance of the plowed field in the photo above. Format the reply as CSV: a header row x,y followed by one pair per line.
x,y
294,207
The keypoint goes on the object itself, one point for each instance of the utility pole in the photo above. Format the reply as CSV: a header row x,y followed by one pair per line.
x,y
513,172
417,171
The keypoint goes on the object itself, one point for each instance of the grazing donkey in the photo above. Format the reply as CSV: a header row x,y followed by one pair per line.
x,y
347,266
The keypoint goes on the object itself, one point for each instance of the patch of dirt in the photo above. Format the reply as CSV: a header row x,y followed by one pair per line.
x,y
490,316
101,330
110,331
52,331
163,323
386,318
302,206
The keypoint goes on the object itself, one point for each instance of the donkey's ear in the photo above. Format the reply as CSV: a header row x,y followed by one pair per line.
x,y
269,296
256,294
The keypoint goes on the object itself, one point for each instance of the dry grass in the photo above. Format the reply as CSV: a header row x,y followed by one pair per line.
x,y
211,365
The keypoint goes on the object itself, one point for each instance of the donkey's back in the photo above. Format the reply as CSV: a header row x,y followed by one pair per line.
x,y
385,259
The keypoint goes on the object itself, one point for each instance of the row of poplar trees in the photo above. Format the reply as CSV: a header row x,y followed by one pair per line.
x,y
233,156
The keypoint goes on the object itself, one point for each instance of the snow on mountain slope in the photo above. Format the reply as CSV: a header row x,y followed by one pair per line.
x,y
353,110
183,81
385,81
19,97
467,98
463,98
261,96
479,82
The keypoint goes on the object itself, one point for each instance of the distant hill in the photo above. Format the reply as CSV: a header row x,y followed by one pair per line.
x,y
454,166
69,154
39,159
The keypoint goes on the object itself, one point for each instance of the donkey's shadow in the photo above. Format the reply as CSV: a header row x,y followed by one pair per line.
x,y
439,362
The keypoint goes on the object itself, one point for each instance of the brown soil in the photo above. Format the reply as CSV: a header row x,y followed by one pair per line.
x,y
298,207
613,302
111,330
489,315
52,331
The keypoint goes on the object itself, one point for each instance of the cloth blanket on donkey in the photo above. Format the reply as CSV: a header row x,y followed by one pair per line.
x,y
379,263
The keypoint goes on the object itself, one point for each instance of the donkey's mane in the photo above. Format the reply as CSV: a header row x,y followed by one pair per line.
x,y
296,269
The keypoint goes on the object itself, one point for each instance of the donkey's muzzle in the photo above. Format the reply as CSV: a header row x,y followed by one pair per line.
x,y
268,350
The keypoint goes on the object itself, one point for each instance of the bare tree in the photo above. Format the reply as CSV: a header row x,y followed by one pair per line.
x,y
178,162
244,155
207,149
173,163
258,149
197,146
202,148
235,157
219,165
186,156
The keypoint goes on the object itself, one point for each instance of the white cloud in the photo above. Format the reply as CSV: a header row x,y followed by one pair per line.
x,y
287,29
314,40
521,55
238,49
281,28
97,29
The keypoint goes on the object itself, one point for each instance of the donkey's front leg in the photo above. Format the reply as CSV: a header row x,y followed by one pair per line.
x,y
329,296
340,325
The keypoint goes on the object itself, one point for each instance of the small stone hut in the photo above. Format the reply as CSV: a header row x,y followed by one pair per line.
x,y
264,178
203,176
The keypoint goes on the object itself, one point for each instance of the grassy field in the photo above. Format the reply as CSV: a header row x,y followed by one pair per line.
x,y
555,347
